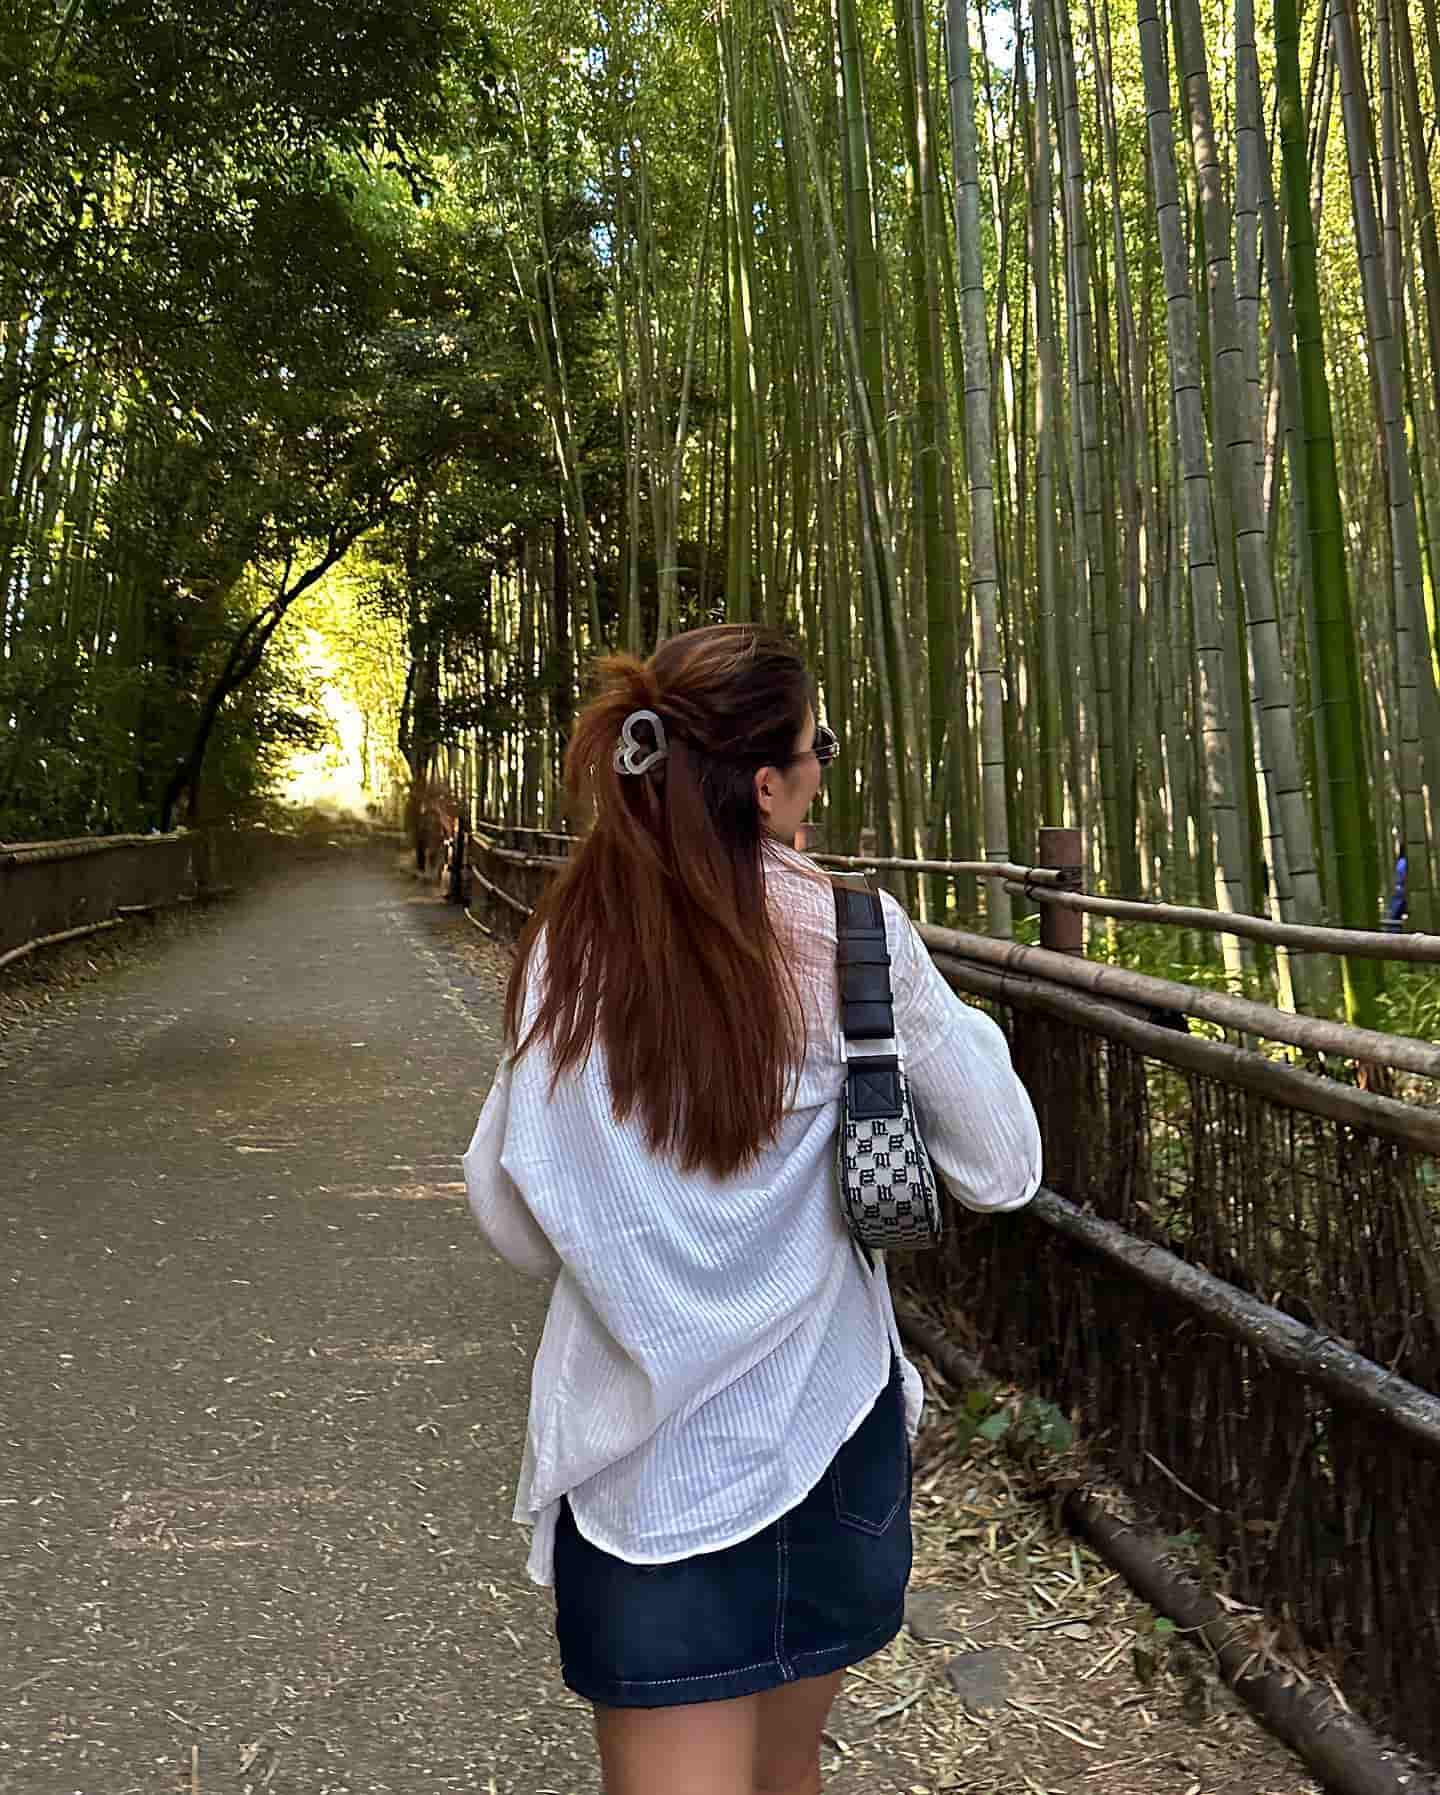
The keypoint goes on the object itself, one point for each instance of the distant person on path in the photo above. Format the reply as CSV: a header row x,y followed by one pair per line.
x,y
1399,902
717,1465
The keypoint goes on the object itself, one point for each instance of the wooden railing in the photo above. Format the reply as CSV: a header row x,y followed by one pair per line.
x,y
52,892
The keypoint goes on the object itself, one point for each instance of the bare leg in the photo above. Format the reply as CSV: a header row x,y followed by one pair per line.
x,y
787,1746
702,1748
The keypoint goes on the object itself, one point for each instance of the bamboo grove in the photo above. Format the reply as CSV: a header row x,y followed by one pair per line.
x,y
1068,377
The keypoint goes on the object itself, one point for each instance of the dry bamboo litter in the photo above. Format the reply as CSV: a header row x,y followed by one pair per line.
x,y
998,1577
1348,1757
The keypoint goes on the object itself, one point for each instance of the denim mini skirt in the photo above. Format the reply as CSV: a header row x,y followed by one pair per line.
x,y
821,1588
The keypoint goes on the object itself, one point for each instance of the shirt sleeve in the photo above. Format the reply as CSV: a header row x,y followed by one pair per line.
x,y
976,1115
493,1195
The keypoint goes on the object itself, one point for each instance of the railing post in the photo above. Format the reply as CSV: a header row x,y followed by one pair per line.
x,y
1055,1066
1063,930
459,848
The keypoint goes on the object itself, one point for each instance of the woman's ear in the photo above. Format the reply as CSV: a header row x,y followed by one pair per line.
x,y
765,792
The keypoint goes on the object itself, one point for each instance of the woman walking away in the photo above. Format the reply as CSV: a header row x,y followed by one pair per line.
x,y
717,1461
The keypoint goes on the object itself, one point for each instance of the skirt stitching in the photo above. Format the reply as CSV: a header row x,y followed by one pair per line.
x,y
704,1676
782,1589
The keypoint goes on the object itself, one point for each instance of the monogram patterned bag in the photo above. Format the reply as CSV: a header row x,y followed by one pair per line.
x,y
888,1191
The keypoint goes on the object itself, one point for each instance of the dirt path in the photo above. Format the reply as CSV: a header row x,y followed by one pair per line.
x,y
261,1393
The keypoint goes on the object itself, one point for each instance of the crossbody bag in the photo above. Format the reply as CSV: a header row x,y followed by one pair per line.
x,y
888,1191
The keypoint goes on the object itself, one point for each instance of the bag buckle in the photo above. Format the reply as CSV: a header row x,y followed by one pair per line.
x,y
873,1091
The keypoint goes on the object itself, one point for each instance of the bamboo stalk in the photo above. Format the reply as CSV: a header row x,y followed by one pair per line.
x,y
980,869
498,828
1305,1091
1315,1033
1335,678
1361,944
545,327
986,592
495,891
516,857
184,897
879,539
76,847
960,1369
993,869
30,947
1290,846
1091,572
1047,401
1414,679
1221,763
1041,885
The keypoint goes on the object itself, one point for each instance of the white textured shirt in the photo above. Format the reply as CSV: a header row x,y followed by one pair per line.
x,y
712,1342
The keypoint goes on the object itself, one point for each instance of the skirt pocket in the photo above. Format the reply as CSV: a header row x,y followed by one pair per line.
x,y
870,1475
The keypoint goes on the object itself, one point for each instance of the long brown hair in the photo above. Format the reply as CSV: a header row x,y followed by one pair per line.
x,y
657,934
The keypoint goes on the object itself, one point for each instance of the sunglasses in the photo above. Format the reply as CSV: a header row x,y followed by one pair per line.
x,y
826,744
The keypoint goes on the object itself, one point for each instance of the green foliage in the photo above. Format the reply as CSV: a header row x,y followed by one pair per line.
x,y
1410,1002
1185,957
121,722
210,237
305,286
978,1410
995,1427
1033,1425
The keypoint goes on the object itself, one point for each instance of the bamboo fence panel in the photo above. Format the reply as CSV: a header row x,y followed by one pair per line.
x,y
1310,1500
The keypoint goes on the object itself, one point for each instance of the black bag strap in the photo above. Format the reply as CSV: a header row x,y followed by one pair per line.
x,y
862,959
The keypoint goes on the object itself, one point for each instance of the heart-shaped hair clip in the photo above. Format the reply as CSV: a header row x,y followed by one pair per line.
x,y
632,756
